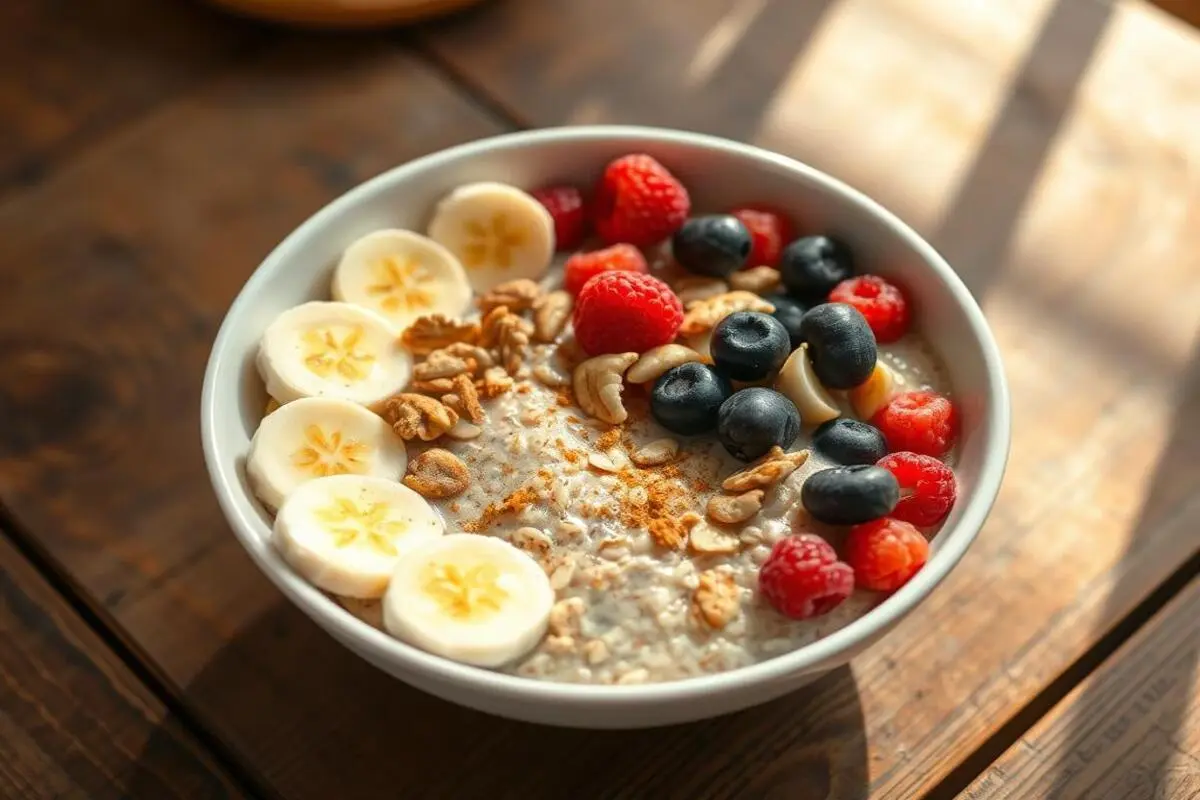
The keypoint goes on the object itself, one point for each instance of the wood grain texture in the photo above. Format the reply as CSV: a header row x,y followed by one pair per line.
x,y
1131,731
74,70
1045,147
74,722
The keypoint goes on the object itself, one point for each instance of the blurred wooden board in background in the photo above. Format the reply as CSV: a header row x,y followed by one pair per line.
x,y
1047,147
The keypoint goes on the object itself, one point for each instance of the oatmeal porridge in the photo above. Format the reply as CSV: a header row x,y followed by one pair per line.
x,y
634,464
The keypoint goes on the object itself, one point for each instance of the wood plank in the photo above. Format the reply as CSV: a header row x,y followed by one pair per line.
x,y
75,722
75,70
1045,146
1131,731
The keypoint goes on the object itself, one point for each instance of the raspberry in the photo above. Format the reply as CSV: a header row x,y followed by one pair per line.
x,y
639,202
882,303
625,312
802,577
930,486
569,212
885,553
583,266
922,422
769,232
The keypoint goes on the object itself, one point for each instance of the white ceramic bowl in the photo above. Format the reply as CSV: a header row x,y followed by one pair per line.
x,y
719,173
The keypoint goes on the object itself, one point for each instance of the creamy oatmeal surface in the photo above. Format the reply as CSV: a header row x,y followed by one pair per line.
x,y
648,586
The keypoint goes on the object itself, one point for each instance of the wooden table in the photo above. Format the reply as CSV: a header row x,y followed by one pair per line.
x,y
152,152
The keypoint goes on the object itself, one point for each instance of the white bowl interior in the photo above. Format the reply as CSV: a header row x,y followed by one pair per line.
x,y
718,174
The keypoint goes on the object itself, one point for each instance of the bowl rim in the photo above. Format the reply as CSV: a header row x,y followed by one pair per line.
x,y
382,648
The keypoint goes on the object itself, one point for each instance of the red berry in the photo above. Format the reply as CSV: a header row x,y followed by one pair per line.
x,y
769,232
885,553
921,422
639,202
882,303
581,267
927,487
569,212
625,312
802,577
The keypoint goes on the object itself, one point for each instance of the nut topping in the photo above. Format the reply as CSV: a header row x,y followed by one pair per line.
x,y
694,287
598,386
671,533
437,474
415,416
517,296
440,364
703,315
435,331
653,363
707,540
715,600
760,280
550,315
766,472
730,510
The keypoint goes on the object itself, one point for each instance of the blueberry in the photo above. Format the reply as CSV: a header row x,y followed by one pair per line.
x,y
716,245
750,345
810,267
754,420
850,495
686,399
848,441
840,343
788,311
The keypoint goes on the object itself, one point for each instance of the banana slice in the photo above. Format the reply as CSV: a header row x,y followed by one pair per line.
x,y
469,598
497,231
875,392
323,349
401,275
318,436
799,383
345,533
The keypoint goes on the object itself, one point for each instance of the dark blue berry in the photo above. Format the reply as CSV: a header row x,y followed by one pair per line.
x,y
686,399
789,312
754,420
716,245
840,343
810,267
749,345
850,495
848,441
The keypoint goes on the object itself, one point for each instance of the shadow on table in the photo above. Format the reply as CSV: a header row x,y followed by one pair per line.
x,y
382,738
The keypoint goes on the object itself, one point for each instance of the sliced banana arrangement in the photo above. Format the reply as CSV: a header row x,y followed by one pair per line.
x,y
470,598
798,382
498,232
401,275
315,437
345,533
331,349
874,394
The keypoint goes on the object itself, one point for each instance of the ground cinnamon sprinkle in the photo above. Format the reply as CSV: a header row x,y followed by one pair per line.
x,y
568,455
513,504
524,388
564,396
609,438
652,494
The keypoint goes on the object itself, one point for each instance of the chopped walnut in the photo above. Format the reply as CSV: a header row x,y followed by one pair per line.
x,y
435,331
415,416
766,472
715,600
464,387
598,384
437,474
495,382
703,315
671,533
463,430
550,315
730,510
476,357
760,280
440,364
517,296
436,386
509,334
